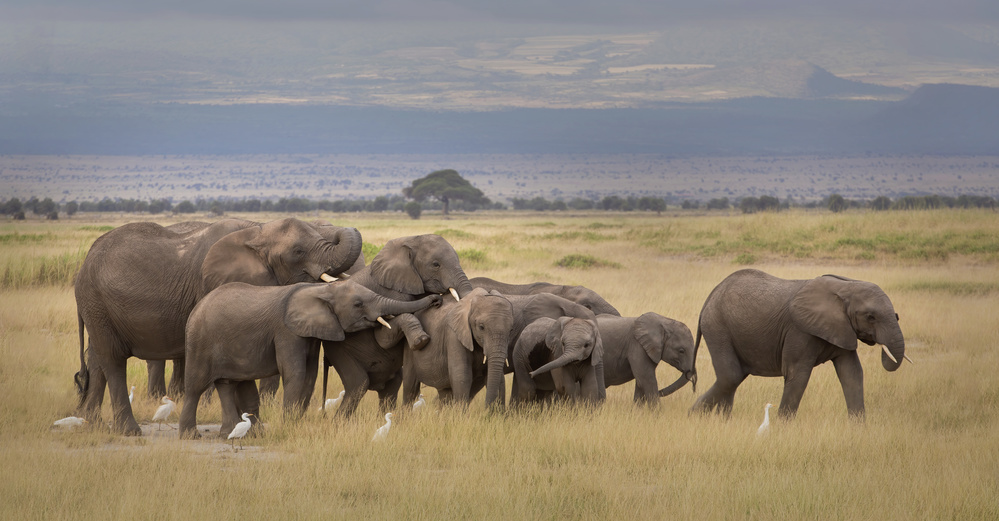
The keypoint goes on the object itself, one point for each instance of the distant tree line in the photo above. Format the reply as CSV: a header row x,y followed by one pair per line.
x,y
396,203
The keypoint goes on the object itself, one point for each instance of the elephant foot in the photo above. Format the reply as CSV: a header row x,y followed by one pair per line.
x,y
129,428
190,434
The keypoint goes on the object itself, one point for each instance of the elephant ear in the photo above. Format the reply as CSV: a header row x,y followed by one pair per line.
x,y
553,336
650,335
237,257
393,268
597,356
457,322
818,310
308,314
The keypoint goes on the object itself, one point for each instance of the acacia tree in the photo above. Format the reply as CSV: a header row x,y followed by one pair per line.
x,y
444,185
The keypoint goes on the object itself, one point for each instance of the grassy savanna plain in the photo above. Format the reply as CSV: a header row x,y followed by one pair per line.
x,y
927,450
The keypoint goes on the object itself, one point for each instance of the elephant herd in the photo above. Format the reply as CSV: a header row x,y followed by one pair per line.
x,y
234,301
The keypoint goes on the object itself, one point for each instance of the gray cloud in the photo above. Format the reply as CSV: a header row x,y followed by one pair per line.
x,y
626,12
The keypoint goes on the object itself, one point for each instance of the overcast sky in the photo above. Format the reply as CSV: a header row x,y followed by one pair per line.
x,y
628,12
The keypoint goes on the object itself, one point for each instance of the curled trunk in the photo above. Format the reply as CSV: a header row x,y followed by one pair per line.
x,y
347,242
675,386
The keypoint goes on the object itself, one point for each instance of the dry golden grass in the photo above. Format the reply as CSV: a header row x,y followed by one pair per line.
x,y
928,449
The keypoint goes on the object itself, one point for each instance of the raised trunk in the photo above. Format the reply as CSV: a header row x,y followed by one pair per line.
x,y
496,382
348,248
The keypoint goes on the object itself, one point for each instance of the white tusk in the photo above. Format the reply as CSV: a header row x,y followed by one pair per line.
x,y
383,322
326,278
909,359
454,294
343,276
887,352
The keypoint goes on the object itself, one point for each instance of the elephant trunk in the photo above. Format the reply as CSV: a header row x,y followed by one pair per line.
x,y
680,382
496,382
347,242
387,306
463,287
567,358
897,350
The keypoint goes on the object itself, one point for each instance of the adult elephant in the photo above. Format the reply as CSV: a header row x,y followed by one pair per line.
x,y
465,336
566,352
758,324
634,346
405,268
578,294
139,283
240,332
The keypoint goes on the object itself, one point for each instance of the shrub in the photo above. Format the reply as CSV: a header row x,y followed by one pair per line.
x,y
582,261
413,209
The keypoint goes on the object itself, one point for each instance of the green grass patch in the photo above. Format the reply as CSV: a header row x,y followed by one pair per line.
x,y
583,261
451,233
544,224
951,287
96,228
585,236
48,270
745,259
601,226
26,238
472,257
370,250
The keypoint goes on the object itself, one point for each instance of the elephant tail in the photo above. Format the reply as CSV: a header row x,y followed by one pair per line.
x,y
693,365
82,378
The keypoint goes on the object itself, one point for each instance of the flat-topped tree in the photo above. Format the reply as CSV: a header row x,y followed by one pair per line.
x,y
444,185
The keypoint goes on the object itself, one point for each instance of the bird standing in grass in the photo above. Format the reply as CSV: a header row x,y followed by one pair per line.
x,y
420,402
240,430
383,431
131,394
69,422
163,412
331,402
765,426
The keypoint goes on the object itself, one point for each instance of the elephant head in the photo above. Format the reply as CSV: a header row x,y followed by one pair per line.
x,y
841,311
572,340
589,299
420,264
280,252
485,319
327,311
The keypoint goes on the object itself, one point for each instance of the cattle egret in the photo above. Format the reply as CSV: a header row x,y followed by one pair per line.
x,y
69,422
163,412
131,394
240,430
331,402
419,402
765,426
382,431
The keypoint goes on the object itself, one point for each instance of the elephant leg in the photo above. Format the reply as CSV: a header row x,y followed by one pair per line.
x,y
589,389
176,388
311,374
728,376
230,409
94,399
123,421
247,399
354,378
156,378
795,381
189,412
851,377
478,383
646,384
389,394
269,386
459,366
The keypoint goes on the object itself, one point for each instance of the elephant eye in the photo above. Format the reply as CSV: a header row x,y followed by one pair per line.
x,y
682,350
436,264
482,327
896,317
358,304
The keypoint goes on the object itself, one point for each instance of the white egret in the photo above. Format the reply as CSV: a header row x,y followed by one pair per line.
x,y
331,402
382,431
163,412
240,430
765,426
69,422
420,402
131,394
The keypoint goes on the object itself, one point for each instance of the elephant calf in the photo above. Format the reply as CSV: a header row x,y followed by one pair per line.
x,y
570,349
239,333
633,347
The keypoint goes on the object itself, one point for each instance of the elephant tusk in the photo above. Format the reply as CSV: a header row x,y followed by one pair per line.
x,y
327,278
343,276
906,357
454,294
383,322
887,352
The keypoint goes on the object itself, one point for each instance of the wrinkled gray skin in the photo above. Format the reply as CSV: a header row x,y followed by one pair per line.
x,y
634,346
578,294
140,281
526,310
404,269
240,332
568,351
758,324
464,337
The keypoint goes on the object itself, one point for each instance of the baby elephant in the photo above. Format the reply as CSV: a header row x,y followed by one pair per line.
x,y
633,347
239,333
570,349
